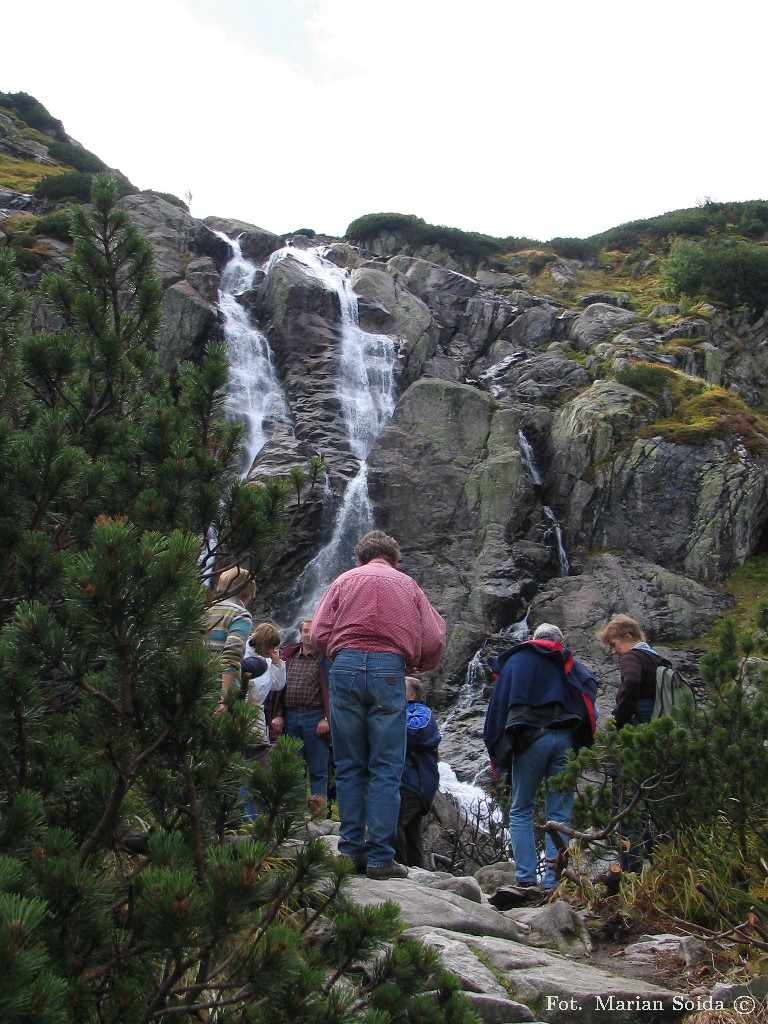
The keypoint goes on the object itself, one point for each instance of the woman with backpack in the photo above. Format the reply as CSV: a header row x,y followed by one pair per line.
x,y
634,705
637,670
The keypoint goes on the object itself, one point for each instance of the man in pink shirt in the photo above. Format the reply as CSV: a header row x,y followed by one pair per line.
x,y
376,624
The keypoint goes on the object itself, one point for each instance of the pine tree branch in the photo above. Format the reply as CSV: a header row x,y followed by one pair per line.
x,y
118,795
595,836
97,694
719,908
105,969
196,829
225,964
332,896
56,389
156,1006
212,1004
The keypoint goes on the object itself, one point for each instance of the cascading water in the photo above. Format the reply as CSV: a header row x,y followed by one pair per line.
x,y
469,796
474,683
254,392
366,391
529,461
475,678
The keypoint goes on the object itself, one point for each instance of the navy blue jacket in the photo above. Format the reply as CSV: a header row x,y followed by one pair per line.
x,y
420,772
539,685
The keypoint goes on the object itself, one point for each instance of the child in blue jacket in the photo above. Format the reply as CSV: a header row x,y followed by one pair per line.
x,y
420,776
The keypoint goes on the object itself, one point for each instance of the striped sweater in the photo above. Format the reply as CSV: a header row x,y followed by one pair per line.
x,y
228,626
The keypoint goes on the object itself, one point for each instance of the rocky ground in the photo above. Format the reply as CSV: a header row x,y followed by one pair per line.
x,y
560,960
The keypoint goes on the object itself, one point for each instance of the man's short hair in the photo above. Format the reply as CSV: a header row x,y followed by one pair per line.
x,y
546,631
377,544
414,686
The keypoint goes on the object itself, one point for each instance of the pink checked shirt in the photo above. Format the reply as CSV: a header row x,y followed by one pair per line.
x,y
375,607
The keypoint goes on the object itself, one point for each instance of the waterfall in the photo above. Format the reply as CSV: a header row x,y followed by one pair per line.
x,y
554,530
469,796
529,460
365,386
473,801
475,678
471,690
355,517
254,392
366,381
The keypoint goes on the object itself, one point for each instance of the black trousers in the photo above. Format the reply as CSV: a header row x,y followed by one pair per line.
x,y
408,847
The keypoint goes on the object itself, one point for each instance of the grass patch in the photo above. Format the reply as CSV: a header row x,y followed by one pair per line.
x,y
19,224
748,585
23,175
23,229
661,383
715,413
610,275
574,354
695,412
34,135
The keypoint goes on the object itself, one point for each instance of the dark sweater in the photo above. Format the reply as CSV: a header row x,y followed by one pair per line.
x,y
637,669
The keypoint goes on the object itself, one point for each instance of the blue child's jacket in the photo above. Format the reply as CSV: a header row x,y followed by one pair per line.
x,y
420,772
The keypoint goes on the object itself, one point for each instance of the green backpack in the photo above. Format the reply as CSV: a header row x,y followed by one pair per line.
x,y
671,689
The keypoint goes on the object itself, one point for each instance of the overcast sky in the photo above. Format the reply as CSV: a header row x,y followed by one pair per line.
x,y
549,118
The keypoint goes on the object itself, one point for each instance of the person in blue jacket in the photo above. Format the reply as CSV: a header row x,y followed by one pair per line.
x,y
541,706
420,776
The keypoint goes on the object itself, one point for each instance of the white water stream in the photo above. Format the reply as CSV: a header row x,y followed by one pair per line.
x,y
470,797
365,385
529,461
254,392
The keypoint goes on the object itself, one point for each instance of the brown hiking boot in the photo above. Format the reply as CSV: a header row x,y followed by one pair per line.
x,y
391,870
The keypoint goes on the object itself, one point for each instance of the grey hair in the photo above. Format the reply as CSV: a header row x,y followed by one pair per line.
x,y
546,631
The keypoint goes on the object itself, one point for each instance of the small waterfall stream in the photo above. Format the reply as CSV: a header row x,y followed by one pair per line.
x,y
475,678
469,796
529,461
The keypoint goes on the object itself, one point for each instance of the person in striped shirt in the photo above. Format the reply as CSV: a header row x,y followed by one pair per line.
x,y
227,628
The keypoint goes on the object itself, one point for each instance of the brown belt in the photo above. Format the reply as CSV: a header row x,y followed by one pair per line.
x,y
315,707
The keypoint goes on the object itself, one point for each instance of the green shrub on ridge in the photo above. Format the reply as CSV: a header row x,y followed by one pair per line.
x,y
723,270
76,156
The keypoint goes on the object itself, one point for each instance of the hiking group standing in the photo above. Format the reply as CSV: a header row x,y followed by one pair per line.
x,y
347,682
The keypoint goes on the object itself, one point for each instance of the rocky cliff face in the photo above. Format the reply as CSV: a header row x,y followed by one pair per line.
x,y
519,473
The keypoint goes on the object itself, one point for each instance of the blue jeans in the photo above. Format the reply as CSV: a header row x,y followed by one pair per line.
x,y
251,809
544,759
367,693
303,726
